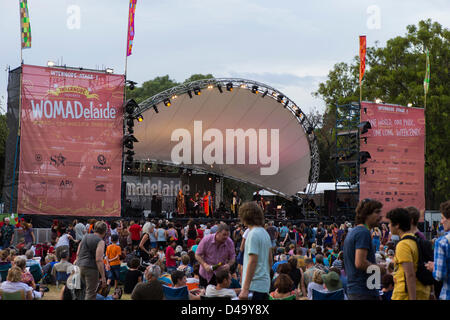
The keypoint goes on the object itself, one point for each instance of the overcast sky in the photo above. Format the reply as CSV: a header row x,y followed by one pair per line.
x,y
288,44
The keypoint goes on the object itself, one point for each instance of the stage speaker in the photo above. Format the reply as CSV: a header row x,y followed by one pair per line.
x,y
330,202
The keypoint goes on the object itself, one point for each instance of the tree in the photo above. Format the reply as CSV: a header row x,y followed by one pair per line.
x,y
150,88
395,74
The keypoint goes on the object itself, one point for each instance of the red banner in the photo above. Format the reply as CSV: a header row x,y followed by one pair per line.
x,y
71,142
362,57
395,173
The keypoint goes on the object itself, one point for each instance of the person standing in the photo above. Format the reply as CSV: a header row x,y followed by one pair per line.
x,y
135,231
359,252
273,233
181,204
407,286
257,254
441,265
7,233
215,249
113,253
29,237
90,260
235,203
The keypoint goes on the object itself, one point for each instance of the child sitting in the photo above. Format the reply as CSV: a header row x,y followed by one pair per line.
x,y
134,276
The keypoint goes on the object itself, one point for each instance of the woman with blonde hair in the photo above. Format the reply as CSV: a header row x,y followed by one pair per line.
x,y
316,283
27,277
14,284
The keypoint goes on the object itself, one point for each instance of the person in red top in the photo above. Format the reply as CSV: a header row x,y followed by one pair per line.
x,y
135,231
171,258
200,233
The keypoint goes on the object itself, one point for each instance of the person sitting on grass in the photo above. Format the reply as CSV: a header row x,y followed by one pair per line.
x,y
50,261
223,278
179,280
14,283
151,289
283,288
27,277
115,296
63,265
133,277
184,266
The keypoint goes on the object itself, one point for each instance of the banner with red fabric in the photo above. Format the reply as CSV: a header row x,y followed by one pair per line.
x,y
394,175
70,142
362,57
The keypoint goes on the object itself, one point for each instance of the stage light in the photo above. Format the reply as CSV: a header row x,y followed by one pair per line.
x,y
174,97
210,86
155,108
286,104
229,86
243,86
219,87
209,178
130,152
167,102
280,98
365,140
217,179
130,122
364,156
50,63
130,158
410,104
265,93
197,91
255,89
378,100
140,118
309,130
364,126
365,170
130,106
131,84
189,172
109,70
137,166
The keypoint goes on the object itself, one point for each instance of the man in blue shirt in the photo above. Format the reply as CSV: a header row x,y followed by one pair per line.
x,y
359,252
257,254
283,231
441,265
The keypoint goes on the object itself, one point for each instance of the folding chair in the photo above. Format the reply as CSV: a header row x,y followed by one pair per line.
x,y
17,295
4,268
181,293
335,295
36,272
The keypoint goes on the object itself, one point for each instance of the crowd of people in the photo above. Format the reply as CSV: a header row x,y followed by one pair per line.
x,y
250,258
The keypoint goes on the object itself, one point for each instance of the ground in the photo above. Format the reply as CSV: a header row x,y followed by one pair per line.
x,y
54,293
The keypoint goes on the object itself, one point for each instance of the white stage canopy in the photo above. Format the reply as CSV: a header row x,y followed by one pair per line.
x,y
252,133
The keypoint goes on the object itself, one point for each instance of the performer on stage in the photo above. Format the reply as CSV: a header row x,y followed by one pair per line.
x,y
206,204
210,203
196,204
235,204
181,205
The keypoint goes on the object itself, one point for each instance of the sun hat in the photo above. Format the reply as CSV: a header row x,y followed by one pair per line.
x,y
332,281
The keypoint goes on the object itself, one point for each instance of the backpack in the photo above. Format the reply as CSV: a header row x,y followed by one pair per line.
x,y
425,254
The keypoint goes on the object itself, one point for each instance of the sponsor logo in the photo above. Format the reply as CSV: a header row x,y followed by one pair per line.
x,y
57,160
101,159
66,184
38,157
73,89
100,188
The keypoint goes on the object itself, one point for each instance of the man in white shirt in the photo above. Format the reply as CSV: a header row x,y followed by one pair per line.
x,y
223,278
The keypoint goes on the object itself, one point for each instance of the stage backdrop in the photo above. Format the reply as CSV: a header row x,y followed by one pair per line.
x,y
395,173
71,142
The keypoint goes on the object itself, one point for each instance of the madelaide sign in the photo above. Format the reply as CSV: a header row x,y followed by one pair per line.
x,y
71,142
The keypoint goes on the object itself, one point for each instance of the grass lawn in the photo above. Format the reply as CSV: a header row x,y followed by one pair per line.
x,y
55,293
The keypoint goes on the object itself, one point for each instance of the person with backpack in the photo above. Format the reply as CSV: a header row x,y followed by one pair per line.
x,y
409,264
441,265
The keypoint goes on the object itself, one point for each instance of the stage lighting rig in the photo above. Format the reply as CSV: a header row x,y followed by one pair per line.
x,y
229,86
286,103
280,98
131,84
128,141
255,89
110,70
131,106
189,92
140,118
219,86
364,156
364,126
197,91
167,102
265,93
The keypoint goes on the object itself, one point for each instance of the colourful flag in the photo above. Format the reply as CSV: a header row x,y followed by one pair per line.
x,y
362,57
131,26
25,24
426,81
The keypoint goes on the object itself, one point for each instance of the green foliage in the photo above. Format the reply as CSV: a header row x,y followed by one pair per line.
x,y
395,74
